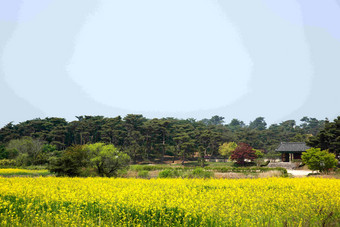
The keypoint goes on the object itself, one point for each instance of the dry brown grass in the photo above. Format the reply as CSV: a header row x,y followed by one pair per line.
x,y
229,175
273,173
326,176
134,174
154,174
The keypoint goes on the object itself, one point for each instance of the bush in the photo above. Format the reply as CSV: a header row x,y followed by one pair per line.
x,y
122,173
143,174
259,161
89,160
5,163
71,162
201,173
27,150
317,159
23,159
169,173
148,167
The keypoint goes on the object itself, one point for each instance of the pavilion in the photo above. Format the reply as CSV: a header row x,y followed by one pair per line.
x,y
291,151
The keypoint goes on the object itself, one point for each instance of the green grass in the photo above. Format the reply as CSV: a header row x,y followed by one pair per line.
x,y
190,170
23,172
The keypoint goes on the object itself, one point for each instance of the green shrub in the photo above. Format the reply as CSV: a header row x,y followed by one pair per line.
x,y
201,173
317,159
198,171
246,170
5,163
143,174
148,167
23,159
169,173
122,173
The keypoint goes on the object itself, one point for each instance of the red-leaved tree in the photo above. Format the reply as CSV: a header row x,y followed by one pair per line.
x,y
243,151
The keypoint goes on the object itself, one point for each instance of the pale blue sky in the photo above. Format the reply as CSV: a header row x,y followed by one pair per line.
x,y
180,58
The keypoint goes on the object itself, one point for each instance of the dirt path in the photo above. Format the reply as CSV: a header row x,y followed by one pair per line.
x,y
299,172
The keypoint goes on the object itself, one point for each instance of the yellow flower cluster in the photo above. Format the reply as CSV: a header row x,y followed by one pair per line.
x,y
45,201
21,171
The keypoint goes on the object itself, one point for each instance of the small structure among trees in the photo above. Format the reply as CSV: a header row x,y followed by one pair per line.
x,y
291,150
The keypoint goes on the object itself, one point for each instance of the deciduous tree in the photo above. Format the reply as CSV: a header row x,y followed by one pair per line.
x,y
71,161
226,148
242,152
107,159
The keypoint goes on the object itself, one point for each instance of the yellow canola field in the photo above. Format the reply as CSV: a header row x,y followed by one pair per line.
x,y
46,201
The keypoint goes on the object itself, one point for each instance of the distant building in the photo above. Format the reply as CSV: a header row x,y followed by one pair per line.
x,y
291,151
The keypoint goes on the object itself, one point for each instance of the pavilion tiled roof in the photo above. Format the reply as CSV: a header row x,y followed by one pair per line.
x,y
292,147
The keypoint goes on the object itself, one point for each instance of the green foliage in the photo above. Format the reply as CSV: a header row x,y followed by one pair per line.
x,y
143,174
149,167
259,157
134,137
259,161
6,163
27,151
201,173
96,159
184,140
247,170
198,172
169,173
215,120
48,148
122,173
157,139
272,155
259,153
317,159
236,125
107,159
311,125
3,152
72,162
226,148
23,159
328,138
259,124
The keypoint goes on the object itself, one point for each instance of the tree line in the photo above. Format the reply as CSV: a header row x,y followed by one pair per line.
x,y
152,139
